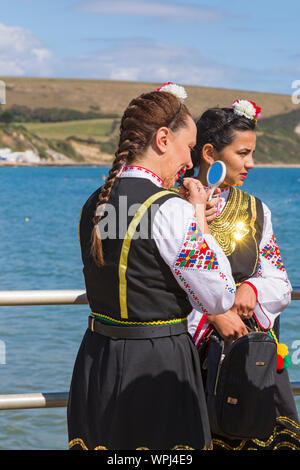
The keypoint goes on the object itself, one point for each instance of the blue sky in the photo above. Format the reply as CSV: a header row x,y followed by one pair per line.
x,y
247,45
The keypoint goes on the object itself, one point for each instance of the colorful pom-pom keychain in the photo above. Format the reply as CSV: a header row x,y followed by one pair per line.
x,y
283,357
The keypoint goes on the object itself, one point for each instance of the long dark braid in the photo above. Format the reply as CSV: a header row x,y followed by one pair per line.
x,y
141,120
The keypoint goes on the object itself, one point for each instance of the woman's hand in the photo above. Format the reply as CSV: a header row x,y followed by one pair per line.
x,y
245,301
195,193
229,325
211,206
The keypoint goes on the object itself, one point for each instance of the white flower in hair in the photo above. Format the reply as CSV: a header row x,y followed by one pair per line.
x,y
176,90
244,108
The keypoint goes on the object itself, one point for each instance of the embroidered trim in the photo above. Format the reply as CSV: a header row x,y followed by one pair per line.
x,y
271,253
135,171
195,252
130,323
259,270
190,291
227,287
80,442
277,440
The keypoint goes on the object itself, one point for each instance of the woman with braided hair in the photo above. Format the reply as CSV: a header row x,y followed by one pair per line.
x,y
148,261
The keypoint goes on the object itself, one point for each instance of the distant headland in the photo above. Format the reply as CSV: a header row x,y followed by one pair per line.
x,y
49,121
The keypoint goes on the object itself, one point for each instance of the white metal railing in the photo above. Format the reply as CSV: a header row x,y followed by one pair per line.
x,y
42,297
59,297
33,400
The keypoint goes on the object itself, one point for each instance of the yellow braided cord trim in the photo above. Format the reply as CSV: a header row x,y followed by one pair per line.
x,y
80,442
283,443
126,247
286,444
280,444
221,443
157,322
252,222
289,420
261,443
227,446
274,336
183,448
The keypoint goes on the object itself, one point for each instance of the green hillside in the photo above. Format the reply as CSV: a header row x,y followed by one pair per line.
x,y
61,148
97,129
111,96
95,140
279,139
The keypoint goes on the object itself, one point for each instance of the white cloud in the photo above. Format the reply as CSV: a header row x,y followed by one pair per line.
x,y
162,9
142,60
135,59
22,53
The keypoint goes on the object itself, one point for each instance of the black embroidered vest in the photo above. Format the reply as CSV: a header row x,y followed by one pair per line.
x,y
238,230
134,284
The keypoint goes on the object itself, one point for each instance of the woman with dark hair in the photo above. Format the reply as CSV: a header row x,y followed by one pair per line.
x,y
148,260
243,229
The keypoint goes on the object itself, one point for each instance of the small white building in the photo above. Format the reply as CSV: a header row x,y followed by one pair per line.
x,y
28,156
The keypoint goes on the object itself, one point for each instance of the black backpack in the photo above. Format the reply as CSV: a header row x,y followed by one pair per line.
x,y
239,380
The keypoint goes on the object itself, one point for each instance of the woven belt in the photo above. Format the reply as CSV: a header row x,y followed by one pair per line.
x,y
137,332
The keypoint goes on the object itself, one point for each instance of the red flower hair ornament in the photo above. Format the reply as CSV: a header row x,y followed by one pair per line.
x,y
176,90
247,108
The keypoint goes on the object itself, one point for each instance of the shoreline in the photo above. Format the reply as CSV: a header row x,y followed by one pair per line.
x,y
101,164
14,164
277,165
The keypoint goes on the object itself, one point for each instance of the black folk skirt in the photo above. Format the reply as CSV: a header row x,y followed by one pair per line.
x,y
137,394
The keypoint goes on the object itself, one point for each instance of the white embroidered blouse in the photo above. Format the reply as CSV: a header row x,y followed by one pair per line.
x,y
271,283
196,260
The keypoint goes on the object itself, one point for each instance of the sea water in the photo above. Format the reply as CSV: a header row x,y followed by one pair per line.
x,y
39,249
